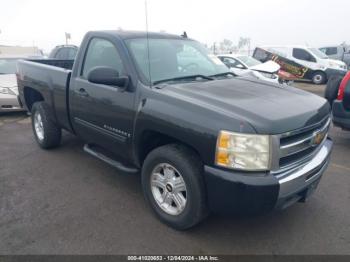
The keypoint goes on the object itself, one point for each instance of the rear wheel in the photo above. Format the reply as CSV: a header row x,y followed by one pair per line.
x,y
173,186
47,133
319,78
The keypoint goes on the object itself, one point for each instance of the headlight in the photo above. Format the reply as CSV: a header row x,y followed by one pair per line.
x,y
243,151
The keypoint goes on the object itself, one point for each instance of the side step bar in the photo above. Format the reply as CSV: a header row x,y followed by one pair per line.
x,y
88,149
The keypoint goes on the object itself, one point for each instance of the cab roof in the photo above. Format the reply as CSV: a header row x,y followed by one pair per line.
x,y
139,34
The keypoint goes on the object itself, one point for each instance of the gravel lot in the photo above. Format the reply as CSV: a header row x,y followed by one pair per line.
x,y
66,202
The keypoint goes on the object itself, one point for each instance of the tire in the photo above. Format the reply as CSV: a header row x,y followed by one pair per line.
x,y
319,78
46,132
184,162
332,88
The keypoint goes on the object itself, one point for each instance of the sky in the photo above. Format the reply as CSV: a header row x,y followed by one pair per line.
x,y
43,23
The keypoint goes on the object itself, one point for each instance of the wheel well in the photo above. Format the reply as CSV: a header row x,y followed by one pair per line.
x,y
152,139
31,96
320,71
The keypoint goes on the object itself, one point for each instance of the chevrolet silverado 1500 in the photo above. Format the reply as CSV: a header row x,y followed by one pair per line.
x,y
201,138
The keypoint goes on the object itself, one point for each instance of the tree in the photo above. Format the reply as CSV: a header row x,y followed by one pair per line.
x,y
226,46
243,42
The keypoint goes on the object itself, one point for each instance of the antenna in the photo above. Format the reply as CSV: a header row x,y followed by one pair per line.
x,y
147,37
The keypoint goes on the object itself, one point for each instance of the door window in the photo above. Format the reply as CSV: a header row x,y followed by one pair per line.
x,y
302,54
231,62
101,52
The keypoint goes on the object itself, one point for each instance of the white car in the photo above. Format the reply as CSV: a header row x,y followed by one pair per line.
x,y
243,65
8,85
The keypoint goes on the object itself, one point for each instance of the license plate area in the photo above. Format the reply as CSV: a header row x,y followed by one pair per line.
x,y
308,191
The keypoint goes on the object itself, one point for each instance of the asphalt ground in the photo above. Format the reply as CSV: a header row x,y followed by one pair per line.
x,y
64,201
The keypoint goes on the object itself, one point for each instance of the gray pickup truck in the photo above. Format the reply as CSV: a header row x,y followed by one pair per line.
x,y
202,139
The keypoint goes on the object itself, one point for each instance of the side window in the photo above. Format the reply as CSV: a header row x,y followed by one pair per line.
x,y
231,62
323,50
302,54
331,51
101,52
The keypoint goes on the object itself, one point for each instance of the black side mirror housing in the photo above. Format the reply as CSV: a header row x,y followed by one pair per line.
x,y
107,76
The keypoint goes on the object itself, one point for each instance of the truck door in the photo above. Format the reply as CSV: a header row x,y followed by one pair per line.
x,y
102,114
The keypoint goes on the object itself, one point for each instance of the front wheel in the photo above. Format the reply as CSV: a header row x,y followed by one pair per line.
x,y
319,78
173,186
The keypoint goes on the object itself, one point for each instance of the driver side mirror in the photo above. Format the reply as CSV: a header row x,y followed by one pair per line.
x,y
107,76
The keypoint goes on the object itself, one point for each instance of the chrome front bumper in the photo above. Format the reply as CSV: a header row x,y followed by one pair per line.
x,y
298,183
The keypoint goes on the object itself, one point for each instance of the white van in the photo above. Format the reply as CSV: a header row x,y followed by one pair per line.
x,y
302,61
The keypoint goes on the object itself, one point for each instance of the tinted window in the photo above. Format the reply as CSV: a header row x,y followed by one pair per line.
x,y
302,54
101,53
331,51
261,55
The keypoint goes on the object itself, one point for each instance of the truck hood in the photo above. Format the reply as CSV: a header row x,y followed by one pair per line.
x,y
268,108
9,81
267,67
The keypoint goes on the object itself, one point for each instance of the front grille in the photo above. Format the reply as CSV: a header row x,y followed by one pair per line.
x,y
298,145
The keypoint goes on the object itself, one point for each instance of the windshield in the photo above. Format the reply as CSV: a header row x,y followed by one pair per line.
x,y
173,58
316,52
249,61
8,66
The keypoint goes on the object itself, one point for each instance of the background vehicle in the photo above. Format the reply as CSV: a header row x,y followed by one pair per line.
x,y
303,62
9,100
202,139
64,52
339,52
243,65
341,105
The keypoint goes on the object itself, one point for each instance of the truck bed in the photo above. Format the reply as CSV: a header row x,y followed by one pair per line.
x,y
66,64
51,79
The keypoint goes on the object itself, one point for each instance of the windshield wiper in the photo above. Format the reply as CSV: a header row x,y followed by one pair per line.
x,y
182,78
223,74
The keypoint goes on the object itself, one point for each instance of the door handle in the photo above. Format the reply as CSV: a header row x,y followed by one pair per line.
x,y
82,92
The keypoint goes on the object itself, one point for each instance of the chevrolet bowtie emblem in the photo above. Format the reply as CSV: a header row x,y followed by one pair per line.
x,y
318,137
